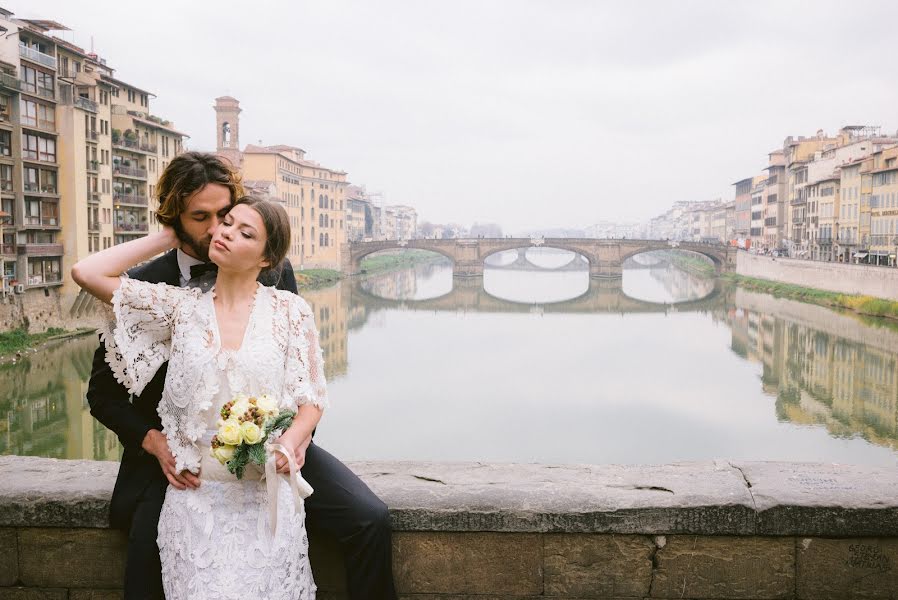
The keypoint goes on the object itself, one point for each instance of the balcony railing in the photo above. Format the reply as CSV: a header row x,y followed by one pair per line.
x,y
37,56
7,249
51,222
93,165
48,93
41,249
131,228
92,135
6,185
93,226
134,145
85,103
36,188
10,81
136,172
136,199
34,280
93,196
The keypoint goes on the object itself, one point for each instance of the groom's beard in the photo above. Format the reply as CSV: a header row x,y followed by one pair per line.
x,y
200,247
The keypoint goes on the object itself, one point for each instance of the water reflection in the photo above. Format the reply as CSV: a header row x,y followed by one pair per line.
x,y
504,369
43,408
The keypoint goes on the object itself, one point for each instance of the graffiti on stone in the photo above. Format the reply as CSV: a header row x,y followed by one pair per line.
x,y
868,556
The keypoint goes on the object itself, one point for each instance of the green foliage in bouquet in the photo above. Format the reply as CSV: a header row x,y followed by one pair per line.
x,y
246,453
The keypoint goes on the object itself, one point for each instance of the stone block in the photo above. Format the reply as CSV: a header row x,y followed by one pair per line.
x,y
72,558
22,593
845,569
327,564
725,567
96,595
506,564
823,500
9,557
597,566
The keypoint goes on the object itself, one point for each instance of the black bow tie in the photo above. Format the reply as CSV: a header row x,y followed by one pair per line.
x,y
202,269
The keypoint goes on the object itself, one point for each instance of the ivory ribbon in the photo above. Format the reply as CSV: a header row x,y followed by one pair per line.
x,y
301,488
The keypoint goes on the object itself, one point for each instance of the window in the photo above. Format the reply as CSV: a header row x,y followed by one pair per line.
x,y
5,143
46,149
6,178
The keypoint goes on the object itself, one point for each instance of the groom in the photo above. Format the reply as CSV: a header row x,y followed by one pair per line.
x,y
195,192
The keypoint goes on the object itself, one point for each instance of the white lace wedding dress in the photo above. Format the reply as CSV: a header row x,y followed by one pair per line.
x,y
215,541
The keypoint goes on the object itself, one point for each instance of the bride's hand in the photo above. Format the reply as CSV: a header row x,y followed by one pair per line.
x,y
296,447
169,232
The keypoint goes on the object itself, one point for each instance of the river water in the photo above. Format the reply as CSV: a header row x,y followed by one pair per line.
x,y
532,364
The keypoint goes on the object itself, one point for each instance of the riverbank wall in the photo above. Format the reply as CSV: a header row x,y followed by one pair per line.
x,y
712,530
862,280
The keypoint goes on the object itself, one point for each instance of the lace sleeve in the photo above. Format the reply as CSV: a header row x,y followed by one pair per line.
x,y
138,331
304,379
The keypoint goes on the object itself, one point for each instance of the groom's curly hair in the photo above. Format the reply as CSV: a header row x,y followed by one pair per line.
x,y
187,174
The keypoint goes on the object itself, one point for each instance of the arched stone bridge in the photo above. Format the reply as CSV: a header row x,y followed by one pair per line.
x,y
603,296
605,257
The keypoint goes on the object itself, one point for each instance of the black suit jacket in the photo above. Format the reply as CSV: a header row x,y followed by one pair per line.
x,y
131,419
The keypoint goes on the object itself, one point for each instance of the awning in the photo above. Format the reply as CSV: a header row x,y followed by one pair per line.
x,y
860,255
892,256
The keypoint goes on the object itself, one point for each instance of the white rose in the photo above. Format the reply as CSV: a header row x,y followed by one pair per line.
x,y
230,432
224,453
240,407
251,433
267,404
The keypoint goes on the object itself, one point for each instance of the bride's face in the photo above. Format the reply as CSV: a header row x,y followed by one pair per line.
x,y
238,243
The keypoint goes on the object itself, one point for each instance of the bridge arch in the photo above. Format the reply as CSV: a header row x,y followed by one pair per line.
x,y
708,252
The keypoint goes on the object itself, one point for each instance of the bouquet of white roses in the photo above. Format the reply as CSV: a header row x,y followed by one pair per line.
x,y
244,428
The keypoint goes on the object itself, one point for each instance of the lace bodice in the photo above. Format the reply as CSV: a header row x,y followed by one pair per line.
x,y
153,322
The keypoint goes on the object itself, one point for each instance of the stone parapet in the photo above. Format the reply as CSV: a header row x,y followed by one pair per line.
x,y
720,529
863,280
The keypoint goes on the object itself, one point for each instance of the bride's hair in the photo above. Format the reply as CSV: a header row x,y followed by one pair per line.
x,y
277,229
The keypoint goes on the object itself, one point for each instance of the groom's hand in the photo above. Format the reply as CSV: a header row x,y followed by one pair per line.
x,y
156,444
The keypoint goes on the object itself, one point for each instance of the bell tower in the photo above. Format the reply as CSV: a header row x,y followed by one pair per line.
x,y
227,126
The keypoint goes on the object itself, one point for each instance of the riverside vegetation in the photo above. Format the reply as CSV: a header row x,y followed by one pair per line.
x,y
318,278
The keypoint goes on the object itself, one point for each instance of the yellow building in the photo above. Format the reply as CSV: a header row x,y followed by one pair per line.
x,y
314,195
884,207
823,210
848,225
80,154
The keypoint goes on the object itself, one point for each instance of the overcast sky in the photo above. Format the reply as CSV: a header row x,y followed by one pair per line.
x,y
530,114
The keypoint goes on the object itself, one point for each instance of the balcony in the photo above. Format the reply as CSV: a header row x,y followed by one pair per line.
x,y
93,226
45,279
93,196
8,249
35,123
85,103
93,166
92,136
134,145
37,56
41,249
133,199
6,186
42,92
36,188
41,223
10,82
131,228
133,172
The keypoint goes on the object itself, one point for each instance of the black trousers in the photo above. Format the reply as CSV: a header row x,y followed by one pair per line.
x,y
342,506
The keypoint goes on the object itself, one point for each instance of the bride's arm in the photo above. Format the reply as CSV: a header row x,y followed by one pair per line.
x,y
99,273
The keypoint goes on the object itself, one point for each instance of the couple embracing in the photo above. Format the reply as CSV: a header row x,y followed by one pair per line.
x,y
216,318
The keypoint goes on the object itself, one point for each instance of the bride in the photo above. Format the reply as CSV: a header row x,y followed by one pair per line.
x,y
217,540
